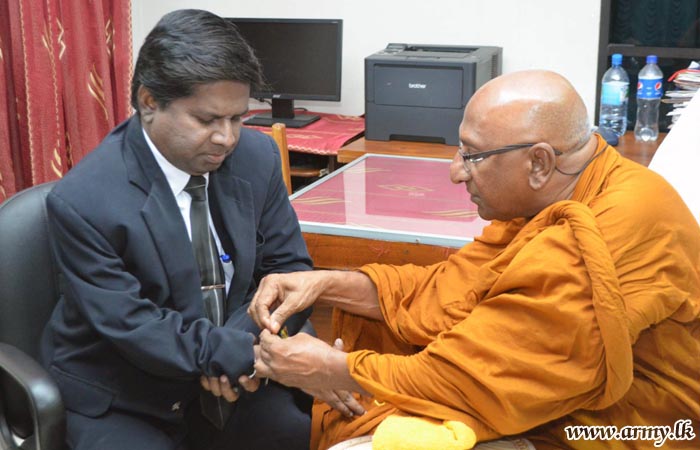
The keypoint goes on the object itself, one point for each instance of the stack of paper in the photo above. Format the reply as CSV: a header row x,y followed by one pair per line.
x,y
678,158
687,82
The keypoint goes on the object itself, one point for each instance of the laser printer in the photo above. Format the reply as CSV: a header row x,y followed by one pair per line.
x,y
418,92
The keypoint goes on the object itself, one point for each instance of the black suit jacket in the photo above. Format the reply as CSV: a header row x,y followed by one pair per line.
x,y
129,330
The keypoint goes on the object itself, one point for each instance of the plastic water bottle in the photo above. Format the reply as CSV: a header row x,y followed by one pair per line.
x,y
649,91
613,97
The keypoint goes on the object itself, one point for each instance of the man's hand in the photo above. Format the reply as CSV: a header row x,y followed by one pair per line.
x,y
281,295
220,386
340,400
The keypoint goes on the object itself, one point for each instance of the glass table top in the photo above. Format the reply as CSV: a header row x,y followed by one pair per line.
x,y
395,198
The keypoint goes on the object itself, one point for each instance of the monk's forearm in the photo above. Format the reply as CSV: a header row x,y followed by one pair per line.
x,y
353,292
338,374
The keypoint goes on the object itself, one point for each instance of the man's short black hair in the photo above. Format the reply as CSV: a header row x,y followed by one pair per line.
x,y
190,47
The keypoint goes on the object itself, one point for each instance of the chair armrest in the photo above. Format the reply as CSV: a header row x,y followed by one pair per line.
x,y
43,396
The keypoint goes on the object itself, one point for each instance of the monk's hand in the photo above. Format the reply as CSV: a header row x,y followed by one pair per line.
x,y
340,400
281,295
301,361
343,401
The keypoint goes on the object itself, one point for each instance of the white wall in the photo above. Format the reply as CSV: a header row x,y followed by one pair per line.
x,y
544,34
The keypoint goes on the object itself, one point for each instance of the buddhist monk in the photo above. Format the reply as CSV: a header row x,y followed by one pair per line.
x,y
572,322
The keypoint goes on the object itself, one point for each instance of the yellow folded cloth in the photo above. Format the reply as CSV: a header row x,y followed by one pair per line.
x,y
398,432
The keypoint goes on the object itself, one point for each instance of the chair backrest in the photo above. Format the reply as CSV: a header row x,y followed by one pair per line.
x,y
28,288
279,134
28,274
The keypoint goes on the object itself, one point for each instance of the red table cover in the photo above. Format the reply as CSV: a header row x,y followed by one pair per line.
x,y
323,137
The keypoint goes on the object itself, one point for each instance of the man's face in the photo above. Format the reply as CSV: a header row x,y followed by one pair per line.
x,y
196,133
498,183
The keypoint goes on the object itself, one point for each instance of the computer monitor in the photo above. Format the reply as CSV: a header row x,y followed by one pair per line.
x,y
301,60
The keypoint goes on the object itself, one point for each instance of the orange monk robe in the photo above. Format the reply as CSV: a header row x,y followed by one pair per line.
x,y
588,314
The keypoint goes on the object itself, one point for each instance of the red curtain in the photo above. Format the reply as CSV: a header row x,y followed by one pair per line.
x,y
65,68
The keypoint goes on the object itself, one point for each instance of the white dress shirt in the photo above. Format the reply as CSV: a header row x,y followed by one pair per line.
x,y
177,179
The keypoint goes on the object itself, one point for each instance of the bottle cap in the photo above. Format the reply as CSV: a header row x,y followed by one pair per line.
x,y
651,59
616,59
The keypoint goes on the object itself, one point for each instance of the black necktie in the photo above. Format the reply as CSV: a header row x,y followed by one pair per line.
x,y
213,287
206,252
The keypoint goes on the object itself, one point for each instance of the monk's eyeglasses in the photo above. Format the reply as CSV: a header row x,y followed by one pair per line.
x,y
473,158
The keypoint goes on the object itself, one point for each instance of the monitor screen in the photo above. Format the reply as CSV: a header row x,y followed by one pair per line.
x,y
301,60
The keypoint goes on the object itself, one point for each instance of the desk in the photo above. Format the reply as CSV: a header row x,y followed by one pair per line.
x,y
628,147
323,137
392,209
641,152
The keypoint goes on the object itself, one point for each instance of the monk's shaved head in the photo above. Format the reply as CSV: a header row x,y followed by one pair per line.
x,y
529,106
540,109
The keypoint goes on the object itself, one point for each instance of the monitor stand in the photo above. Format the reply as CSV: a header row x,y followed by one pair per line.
x,y
282,112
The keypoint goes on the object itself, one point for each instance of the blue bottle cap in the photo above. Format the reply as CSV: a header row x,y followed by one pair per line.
x,y
651,59
225,258
616,59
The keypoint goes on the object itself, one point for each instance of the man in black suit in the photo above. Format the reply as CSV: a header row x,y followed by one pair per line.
x,y
129,342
